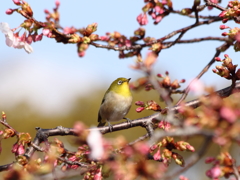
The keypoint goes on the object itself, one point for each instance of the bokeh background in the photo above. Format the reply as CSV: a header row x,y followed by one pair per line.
x,y
53,86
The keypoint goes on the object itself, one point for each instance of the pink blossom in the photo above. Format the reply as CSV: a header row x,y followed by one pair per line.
x,y
69,30
213,1
237,37
15,147
37,37
153,15
158,19
98,176
228,114
164,2
164,125
181,177
142,19
215,172
158,10
141,147
20,150
47,32
13,40
128,43
157,155
95,142
104,38
197,87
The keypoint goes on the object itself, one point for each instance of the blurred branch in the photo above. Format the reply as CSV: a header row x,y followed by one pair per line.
x,y
43,134
205,69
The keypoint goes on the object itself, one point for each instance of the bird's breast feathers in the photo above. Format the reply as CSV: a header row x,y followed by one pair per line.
x,y
115,106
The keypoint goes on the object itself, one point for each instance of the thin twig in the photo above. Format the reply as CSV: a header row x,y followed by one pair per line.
x,y
205,69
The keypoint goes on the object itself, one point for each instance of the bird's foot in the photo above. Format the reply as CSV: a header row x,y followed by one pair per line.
x,y
128,120
110,126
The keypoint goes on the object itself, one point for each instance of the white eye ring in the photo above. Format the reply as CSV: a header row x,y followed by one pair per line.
x,y
120,82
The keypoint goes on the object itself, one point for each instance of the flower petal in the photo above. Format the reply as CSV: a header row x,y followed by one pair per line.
x,y
4,27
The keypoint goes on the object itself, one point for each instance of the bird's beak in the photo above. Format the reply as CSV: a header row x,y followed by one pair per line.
x,y
129,79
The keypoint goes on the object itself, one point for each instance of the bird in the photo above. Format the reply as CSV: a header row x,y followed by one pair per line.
x,y
116,103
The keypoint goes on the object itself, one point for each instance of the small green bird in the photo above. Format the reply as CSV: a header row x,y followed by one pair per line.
x,y
116,103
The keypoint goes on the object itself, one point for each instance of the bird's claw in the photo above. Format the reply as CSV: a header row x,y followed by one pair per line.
x,y
128,120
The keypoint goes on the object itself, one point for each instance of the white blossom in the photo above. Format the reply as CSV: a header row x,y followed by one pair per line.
x,y
13,40
95,142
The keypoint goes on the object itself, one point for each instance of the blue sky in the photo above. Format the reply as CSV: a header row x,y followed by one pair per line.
x,y
55,73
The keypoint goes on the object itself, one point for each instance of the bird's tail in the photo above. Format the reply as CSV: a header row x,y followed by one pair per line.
x,y
101,124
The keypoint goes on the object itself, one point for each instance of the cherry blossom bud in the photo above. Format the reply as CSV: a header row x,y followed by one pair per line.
x,y
46,11
226,55
209,160
183,81
217,59
17,2
223,27
142,19
222,14
225,20
15,147
158,19
140,109
224,34
140,103
81,54
57,2
214,172
159,75
20,150
9,11
157,155
190,148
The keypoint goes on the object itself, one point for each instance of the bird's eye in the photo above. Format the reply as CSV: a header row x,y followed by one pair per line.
x,y
120,82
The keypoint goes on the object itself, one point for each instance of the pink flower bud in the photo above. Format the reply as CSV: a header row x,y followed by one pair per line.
x,y
140,109
222,14
46,11
158,19
230,4
15,147
9,11
183,81
224,34
57,2
226,56
139,103
159,75
142,19
20,150
81,54
223,27
157,155
209,159
217,59
225,20
17,2
215,172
